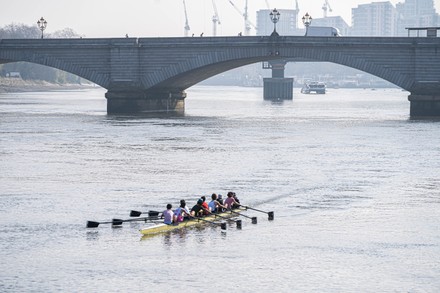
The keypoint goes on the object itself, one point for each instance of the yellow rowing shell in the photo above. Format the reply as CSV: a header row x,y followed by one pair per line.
x,y
161,228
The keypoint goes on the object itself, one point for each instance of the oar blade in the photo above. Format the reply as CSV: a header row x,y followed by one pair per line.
x,y
92,224
270,216
135,213
117,222
153,214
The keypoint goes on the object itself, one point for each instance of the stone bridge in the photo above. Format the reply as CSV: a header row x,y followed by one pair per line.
x,y
151,74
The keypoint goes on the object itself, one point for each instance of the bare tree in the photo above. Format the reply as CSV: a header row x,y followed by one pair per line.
x,y
66,33
30,71
19,31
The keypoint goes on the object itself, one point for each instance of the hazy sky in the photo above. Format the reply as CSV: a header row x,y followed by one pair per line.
x,y
151,18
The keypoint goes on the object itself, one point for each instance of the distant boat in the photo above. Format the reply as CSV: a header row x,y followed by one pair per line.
x,y
313,86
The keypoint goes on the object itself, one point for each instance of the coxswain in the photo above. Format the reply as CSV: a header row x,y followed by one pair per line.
x,y
168,215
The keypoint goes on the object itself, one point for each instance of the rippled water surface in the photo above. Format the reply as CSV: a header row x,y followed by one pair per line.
x,y
353,182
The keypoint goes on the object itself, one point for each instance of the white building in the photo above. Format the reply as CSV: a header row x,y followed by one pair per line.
x,y
374,19
416,13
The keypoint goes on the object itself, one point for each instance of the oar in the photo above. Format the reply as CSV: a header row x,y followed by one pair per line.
x,y
222,225
93,224
118,222
254,219
145,219
238,222
150,213
270,214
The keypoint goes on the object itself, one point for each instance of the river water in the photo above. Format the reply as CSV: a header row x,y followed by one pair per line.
x,y
353,182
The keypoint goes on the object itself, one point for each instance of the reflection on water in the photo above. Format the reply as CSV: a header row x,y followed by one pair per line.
x,y
352,180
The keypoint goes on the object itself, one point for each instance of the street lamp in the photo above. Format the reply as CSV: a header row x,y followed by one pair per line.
x,y
42,24
307,20
274,17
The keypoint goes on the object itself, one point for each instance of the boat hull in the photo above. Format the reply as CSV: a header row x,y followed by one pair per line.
x,y
162,228
317,87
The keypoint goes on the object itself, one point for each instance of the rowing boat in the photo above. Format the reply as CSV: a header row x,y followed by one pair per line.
x,y
161,228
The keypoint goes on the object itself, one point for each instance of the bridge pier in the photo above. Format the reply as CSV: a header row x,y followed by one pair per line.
x,y
277,87
141,102
424,106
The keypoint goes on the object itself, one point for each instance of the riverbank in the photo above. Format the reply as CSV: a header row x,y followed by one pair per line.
x,y
11,85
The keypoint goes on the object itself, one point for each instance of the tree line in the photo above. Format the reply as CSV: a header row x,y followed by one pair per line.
x,y
31,71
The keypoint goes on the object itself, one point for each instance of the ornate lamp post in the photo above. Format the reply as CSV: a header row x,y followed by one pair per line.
x,y
42,24
275,17
307,20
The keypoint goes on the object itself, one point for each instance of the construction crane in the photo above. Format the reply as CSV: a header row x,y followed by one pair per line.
x,y
325,7
186,28
267,4
215,19
246,19
247,23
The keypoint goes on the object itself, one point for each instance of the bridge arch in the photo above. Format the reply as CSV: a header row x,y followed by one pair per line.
x,y
189,78
388,60
65,57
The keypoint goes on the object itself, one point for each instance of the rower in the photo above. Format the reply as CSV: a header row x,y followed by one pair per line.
x,y
234,206
182,213
221,201
214,205
230,202
197,209
168,215
205,206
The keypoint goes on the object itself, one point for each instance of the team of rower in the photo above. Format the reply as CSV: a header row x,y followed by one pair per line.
x,y
201,208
